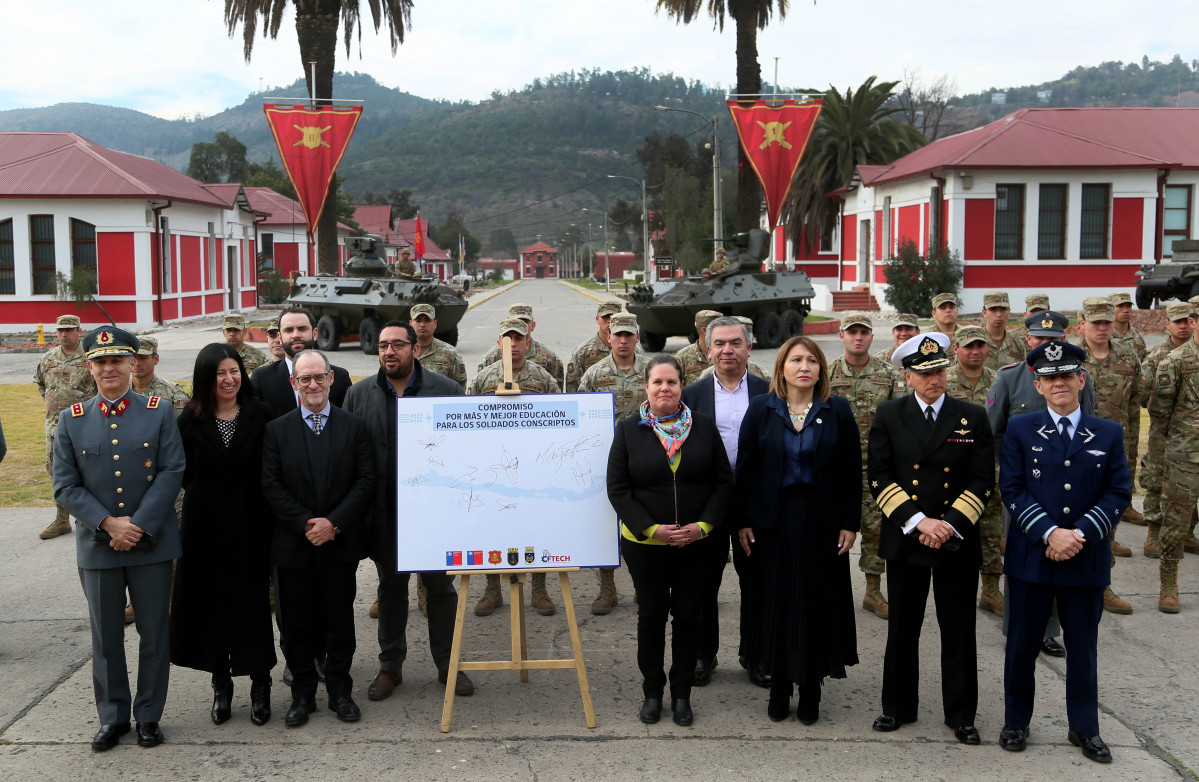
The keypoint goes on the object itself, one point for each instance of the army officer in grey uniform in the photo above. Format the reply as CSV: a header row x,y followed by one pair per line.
x,y
118,464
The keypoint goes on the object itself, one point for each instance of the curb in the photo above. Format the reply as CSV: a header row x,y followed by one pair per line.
x,y
589,294
490,295
821,327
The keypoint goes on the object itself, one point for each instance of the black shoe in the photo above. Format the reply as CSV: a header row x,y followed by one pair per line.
x,y
1092,746
682,711
760,677
260,702
319,664
288,678
148,734
703,671
222,701
297,713
109,736
885,723
807,710
1051,647
779,705
967,734
651,711
462,684
744,663
1013,739
346,709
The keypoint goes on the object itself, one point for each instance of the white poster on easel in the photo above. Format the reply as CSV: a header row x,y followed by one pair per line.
x,y
490,482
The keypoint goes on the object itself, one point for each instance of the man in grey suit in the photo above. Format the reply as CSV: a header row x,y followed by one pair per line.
x,y
118,464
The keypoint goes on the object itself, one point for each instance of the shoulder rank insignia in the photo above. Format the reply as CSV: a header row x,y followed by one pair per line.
x,y
1090,435
76,410
1044,432
152,402
1097,453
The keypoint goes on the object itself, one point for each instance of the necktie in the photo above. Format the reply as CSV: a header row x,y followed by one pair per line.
x,y
318,423
928,416
1065,430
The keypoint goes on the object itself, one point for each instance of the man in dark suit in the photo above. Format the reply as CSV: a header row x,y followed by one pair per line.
x,y
1065,481
318,476
931,470
724,395
297,327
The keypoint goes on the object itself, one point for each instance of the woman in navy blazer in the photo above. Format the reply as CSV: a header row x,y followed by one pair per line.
x,y
799,468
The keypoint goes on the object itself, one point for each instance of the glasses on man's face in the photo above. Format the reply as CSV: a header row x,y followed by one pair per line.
x,y
395,346
307,380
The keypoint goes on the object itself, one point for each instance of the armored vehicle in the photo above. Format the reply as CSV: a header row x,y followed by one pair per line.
x,y
1177,278
777,302
370,294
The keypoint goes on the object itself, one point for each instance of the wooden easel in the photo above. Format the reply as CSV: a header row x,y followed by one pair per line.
x,y
520,651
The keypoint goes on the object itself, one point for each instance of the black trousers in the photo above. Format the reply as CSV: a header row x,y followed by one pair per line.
x,y
317,603
954,586
709,628
668,582
441,601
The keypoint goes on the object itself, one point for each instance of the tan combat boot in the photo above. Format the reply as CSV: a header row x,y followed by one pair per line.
x,y
60,526
991,598
492,598
374,612
1133,516
1152,546
873,600
1167,602
1191,545
422,596
1114,603
539,598
1120,550
607,594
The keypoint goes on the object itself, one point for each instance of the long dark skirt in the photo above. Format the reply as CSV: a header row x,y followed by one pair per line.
x,y
805,627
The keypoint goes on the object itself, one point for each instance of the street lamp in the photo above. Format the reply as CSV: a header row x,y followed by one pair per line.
x,y
650,271
717,196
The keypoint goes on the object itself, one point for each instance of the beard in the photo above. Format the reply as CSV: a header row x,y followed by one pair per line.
x,y
308,345
403,369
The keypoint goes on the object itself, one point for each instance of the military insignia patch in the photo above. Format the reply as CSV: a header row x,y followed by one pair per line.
x,y
1046,323
513,556
105,338
929,346
152,402
1097,453
76,410
147,464
1036,473
530,554
1054,352
495,557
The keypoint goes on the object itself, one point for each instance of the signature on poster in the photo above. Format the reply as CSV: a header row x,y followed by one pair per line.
x,y
509,463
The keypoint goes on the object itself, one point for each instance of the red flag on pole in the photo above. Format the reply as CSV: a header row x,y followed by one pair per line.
x,y
418,242
311,144
774,138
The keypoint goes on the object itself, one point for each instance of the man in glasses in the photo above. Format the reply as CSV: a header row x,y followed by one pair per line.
x,y
297,327
401,376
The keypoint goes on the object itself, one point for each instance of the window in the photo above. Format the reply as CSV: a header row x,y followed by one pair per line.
x,y
8,267
1093,234
83,249
212,259
268,250
826,237
41,253
1051,223
166,253
1176,217
1009,222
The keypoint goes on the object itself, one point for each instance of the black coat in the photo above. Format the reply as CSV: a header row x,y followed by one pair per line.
x,y
274,387
220,610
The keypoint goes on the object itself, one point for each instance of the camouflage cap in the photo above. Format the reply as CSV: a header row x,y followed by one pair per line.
x,y
1047,324
856,319
625,322
1034,302
704,317
1097,308
1120,297
606,308
234,322
67,322
944,298
996,299
967,334
907,319
1178,310
523,311
273,326
422,309
109,341
147,346
513,324
747,321
405,251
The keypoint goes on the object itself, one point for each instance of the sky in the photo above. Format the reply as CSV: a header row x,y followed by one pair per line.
x,y
174,58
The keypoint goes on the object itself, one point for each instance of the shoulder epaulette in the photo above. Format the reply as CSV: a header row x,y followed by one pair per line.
x,y
152,402
76,410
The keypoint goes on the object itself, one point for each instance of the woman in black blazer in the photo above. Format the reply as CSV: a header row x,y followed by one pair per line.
x,y
220,610
669,480
799,476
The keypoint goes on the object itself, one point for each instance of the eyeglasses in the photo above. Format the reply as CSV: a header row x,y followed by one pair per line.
x,y
396,346
307,380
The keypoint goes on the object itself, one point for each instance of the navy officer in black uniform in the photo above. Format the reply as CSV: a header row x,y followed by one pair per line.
x,y
118,464
1065,482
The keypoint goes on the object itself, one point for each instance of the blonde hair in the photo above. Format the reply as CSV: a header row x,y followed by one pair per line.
x,y
778,383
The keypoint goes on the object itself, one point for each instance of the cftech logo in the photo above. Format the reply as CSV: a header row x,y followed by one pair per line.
x,y
548,558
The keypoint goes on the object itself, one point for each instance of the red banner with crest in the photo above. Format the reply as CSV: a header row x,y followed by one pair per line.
x,y
311,144
774,135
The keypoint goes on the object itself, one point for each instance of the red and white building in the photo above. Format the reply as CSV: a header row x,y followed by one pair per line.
x,y
508,266
613,264
398,235
538,260
282,233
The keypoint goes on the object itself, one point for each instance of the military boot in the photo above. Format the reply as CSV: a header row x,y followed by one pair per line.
x,y
1167,601
374,612
1133,516
1152,546
991,598
539,598
607,594
422,596
492,598
1191,545
1114,603
60,526
1119,549
873,600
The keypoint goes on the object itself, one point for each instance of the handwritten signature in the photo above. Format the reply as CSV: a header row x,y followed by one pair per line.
x,y
581,470
505,505
471,500
557,453
433,443
508,463
416,481
471,476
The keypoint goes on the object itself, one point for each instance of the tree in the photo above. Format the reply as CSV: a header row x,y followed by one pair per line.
x,y
269,174
400,202
222,160
925,105
502,243
749,16
625,220
446,235
317,23
912,277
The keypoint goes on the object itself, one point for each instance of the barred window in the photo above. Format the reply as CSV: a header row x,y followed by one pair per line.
x,y
1093,232
1009,222
1051,223
41,253
8,267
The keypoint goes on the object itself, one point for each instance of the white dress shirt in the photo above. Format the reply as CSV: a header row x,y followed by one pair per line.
x,y
729,410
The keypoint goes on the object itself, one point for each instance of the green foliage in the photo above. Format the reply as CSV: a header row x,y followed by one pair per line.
x,y
502,244
222,160
446,235
268,174
272,289
79,287
496,274
400,201
913,279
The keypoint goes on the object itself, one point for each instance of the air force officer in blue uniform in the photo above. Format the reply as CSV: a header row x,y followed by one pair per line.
x,y
118,464
1065,482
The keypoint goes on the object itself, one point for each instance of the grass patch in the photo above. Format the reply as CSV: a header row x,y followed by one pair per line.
x,y
24,481
816,318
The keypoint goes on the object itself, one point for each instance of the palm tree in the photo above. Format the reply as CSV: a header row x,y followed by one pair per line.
x,y
749,17
854,129
317,23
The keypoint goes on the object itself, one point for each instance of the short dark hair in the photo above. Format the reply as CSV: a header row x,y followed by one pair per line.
x,y
663,358
300,310
203,401
400,324
296,359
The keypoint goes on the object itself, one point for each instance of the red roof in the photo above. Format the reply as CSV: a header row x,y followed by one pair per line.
x,y
376,220
65,165
538,247
405,231
1059,138
279,209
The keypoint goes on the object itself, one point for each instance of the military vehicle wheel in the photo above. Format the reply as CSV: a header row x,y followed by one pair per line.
x,y
768,330
328,332
693,337
368,334
449,337
792,324
1144,300
652,342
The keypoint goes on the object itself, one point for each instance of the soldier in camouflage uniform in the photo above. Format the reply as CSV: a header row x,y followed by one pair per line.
x,y
1178,329
1116,374
274,341
907,325
539,352
146,383
694,358
406,266
532,379
435,355
865,382
1034,302
1125,335
945,314
593,349
970,380
1006,348
235,334
63,379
